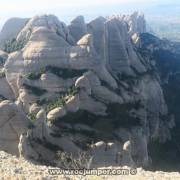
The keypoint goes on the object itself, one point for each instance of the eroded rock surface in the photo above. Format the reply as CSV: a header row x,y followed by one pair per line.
x,y
11,29
13,122
86,88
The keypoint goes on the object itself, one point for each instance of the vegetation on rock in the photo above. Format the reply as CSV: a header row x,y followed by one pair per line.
x,y
65,73
118,115
32,117
60,101
13,45
35,75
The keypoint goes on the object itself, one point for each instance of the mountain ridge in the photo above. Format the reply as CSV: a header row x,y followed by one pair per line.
x,y
84,87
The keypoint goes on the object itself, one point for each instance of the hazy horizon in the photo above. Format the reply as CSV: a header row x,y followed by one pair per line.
x,y
68,9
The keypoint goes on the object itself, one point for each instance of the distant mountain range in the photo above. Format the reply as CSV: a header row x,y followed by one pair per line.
x,y
164,20
162,17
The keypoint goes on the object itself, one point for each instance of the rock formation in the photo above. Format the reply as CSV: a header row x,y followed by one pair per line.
x,y
11,29
85,87
13,122
164,56
77,28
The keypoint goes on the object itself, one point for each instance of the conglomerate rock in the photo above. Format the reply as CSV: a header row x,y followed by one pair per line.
x,y
86,88
11,29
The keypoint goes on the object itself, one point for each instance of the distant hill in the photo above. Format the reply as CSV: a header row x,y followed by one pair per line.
x,y
164,20
166,29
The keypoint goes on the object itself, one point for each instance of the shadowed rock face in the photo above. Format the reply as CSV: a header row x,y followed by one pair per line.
x,y
78,28
165,56
87,88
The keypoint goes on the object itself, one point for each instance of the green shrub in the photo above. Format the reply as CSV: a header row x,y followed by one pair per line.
x,y
32,117
13,45
35,75
64,73
72,91
60,101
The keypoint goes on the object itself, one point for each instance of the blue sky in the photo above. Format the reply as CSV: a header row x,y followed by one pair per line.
x,y
67,9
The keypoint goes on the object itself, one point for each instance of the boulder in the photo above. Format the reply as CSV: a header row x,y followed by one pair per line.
x,y
13,123
88,89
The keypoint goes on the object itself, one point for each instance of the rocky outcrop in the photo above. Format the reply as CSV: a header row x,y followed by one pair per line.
x,y
13,122
137,25
77,28
136,22
5,90
119,52
96,28
86,88
51,22
11,29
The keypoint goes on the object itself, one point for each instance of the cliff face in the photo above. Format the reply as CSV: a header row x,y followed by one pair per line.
x,y
165,56
85,87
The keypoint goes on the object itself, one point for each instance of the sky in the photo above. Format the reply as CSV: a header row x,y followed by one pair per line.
x,y
68,9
